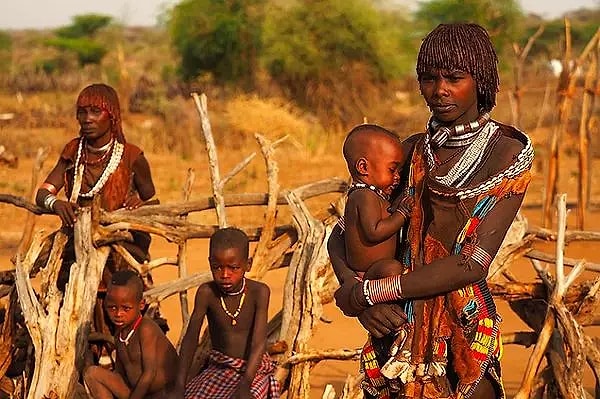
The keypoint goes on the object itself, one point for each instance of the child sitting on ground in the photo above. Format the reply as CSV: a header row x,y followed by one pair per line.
x,y
236,309
371,223
147,362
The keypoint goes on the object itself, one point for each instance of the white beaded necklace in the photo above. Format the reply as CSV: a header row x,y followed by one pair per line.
x,y
110,168
233,316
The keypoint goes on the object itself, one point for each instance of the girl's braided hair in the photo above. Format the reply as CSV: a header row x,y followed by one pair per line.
x,y
466,47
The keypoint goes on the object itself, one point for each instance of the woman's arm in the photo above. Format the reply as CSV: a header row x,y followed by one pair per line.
x,y
380,319
52,186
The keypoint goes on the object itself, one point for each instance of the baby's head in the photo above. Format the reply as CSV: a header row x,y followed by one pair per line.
x,y
374,156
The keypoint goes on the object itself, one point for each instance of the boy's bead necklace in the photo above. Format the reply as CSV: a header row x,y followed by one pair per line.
x,y
131,332
233,316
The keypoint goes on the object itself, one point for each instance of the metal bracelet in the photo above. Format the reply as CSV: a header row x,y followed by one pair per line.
x,y
49,201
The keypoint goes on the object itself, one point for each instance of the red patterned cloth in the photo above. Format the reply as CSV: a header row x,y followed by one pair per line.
x,y
221,377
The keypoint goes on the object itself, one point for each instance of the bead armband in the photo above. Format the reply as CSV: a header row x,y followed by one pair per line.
x,y
382,290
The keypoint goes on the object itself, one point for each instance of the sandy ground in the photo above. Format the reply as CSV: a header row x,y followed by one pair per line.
x,y
342,332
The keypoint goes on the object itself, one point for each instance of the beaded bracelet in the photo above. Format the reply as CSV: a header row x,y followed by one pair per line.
x,y
49,201
365,288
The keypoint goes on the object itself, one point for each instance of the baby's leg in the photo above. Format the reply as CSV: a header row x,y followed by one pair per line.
x,y
384,268
105,384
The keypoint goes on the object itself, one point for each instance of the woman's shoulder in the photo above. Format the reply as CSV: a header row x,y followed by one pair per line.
x,y
512,138
512,144
70,149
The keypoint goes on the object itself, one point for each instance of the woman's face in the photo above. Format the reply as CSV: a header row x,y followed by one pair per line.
x,y
94,121
451,95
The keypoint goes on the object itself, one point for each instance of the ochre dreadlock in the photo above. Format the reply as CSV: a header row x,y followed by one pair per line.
x,y
466,47
105,97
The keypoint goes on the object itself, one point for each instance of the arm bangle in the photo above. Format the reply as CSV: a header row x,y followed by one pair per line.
x,y
387,289
49,201
50,187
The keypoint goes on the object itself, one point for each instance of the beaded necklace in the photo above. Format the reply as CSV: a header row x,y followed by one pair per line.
x,y
97,150
233,316
360,185
112,165
458,135
131,332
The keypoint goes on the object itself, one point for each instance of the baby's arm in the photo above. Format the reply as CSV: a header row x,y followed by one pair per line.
x,y
148,334
190,339
375,228
258,344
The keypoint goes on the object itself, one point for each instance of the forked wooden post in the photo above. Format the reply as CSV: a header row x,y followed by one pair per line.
x,y
58,324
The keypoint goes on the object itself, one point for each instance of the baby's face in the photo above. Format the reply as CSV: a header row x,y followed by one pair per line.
x,y
385,161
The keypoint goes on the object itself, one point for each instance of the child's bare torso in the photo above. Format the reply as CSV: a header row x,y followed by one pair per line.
x,y
232,338
360,252
130,358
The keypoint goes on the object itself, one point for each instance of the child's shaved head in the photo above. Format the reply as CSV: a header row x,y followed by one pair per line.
x,y
128,278
361,143
230,237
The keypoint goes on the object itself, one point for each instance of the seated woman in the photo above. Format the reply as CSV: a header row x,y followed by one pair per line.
x,y
98,162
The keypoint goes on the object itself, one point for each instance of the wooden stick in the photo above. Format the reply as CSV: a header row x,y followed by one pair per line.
x,y
316,356
570,235
587,106
521,56
259,266
182,262
237,169
544,257
560,287
213,162
42,154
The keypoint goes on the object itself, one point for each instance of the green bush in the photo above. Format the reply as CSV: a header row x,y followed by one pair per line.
x,y
85,25
5,51
87,51
217,37
313,38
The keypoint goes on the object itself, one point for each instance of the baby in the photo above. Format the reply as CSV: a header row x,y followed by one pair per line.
x,y
375,158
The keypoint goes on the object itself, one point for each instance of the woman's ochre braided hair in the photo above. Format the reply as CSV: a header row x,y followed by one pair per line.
x,y
105,97
465,47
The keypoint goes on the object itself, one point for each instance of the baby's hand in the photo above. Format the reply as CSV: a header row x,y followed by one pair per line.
x,y
402,204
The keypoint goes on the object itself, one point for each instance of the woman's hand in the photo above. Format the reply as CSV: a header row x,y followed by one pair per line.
x,y
67,211
133,201
382,318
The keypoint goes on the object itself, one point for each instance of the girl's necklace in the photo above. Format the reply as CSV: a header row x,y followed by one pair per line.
x,y
131,332
237,311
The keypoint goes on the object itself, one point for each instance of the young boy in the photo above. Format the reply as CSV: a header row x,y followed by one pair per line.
x,y
147,362
236,309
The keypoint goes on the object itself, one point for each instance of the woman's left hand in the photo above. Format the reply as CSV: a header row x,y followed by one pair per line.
x,y
133,202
